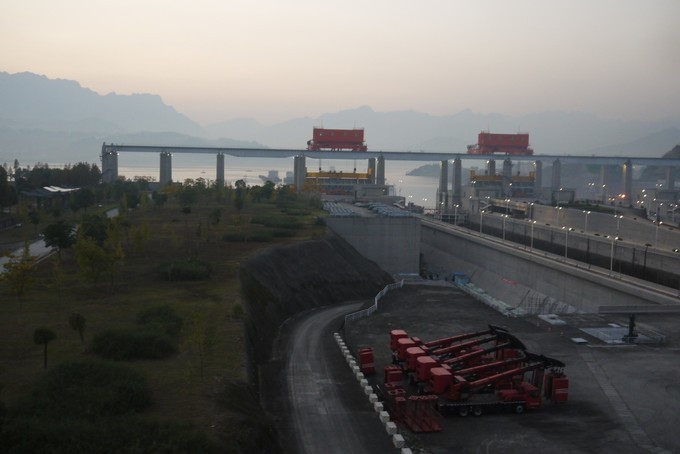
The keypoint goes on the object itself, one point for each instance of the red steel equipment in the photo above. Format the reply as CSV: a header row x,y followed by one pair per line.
x,y
509,144
337,139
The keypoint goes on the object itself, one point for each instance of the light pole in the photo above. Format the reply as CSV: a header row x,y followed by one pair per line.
x,y
566,240
455,215
618,223
557,216
531,210
611,257
505,216
585,229
656,237
531,244
507,206
481,221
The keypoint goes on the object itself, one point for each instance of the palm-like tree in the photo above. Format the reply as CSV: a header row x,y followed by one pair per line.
x,y
44,336
77,322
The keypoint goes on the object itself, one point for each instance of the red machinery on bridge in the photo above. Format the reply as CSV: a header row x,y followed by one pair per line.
x,y
509,144
337,139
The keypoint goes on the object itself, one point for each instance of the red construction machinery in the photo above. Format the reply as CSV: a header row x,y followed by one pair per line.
x,y
469,373
508,144
337,139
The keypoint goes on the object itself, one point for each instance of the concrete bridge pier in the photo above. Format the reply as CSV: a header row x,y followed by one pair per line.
x,y
443,193
538,178
556,175
491,167
507,176
109,166
628,182
219,178
371,169
670,179
380,171
457,179
299,173
166,169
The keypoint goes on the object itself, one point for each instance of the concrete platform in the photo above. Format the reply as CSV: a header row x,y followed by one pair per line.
x,y
623,399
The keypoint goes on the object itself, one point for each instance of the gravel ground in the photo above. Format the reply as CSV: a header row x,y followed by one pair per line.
x,y
622,399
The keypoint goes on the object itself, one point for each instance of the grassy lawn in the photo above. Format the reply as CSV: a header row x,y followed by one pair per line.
x,y
210,309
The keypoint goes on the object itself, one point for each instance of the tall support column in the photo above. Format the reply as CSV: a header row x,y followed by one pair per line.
x,y
457,179
507,176
538,178
556,175
166,169
491,167
371,169
380,171
299,173
109,166
670,179
219,177
628,181
442,194
603,183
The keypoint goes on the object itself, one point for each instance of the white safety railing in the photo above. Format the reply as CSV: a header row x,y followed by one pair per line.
x,y
368,311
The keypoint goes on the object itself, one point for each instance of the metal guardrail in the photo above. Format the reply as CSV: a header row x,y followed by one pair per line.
x,y
640,309
370,310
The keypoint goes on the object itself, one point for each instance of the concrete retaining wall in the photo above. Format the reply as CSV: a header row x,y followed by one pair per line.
x,y
637,259
393,243
511,274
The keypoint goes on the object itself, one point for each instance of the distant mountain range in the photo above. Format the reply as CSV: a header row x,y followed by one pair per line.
x,y
48,120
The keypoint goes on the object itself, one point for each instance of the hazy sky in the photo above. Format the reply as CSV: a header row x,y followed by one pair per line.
x,y
274,60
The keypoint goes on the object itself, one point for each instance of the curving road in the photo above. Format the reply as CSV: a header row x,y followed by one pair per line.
x,y
329,412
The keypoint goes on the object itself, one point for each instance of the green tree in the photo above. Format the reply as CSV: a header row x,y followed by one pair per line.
x,y
60,235
77,323
58,277
35,219
92,259
43,336
198,341
19,274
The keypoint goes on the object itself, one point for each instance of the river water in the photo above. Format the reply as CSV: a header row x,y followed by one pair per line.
x,y
419,190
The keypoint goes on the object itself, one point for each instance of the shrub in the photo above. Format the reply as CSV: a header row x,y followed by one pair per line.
x,y
130,344
122,434
185,270
90,389
283,234
237,311
161,319
257,237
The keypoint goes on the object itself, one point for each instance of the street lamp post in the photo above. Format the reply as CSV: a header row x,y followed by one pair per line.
x,y
455,215
618,223
531,211
507,206
611,258
531,244
585,229
566,240
481,221
656,237
557,216
505,216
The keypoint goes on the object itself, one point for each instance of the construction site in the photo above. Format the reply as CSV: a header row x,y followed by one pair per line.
x,y
455,375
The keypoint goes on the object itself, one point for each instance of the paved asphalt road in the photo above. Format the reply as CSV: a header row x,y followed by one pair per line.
x,y
329,412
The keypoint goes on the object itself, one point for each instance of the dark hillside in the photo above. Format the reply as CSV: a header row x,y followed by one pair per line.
x,y
285,280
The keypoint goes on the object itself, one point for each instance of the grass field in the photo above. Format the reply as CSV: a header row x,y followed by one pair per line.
x,y
185,385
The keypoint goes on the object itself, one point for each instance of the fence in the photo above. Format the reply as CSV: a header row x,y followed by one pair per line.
x,y
368,311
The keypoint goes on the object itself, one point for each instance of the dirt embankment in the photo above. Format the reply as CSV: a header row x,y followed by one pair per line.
x,y
285,280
